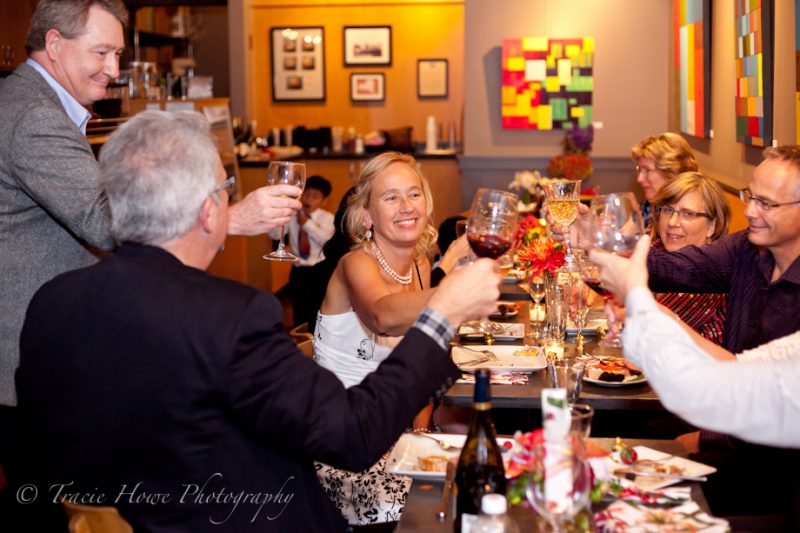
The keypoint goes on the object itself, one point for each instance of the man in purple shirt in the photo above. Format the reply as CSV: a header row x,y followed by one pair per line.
x,y
757,267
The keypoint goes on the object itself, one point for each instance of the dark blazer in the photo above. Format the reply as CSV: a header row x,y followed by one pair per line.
x,y
141,377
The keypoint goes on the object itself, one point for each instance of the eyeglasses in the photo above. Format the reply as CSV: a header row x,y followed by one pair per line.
x,y
746,196
640,169
683,214
229,185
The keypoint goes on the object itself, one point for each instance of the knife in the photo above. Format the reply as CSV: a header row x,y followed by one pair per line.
x,y
447,490
630,474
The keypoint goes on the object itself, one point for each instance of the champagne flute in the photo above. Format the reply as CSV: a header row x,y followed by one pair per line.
x,y
616,226
563,197
285,172
491,226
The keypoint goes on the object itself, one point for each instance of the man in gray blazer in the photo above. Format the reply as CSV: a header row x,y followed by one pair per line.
x,y
54,216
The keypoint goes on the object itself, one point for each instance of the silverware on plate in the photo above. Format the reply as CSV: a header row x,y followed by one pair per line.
x,y
632,474
443,444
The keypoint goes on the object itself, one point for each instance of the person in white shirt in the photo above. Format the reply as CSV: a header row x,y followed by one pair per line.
x,y
308,232
754,395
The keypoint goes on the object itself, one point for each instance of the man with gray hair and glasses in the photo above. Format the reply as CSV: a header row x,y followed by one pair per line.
x,y
54,215
144,371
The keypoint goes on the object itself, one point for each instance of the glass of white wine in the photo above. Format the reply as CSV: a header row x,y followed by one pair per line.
x,y
285,172
563,197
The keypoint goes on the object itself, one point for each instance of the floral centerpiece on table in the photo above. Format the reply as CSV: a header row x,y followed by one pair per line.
x,y
531,192
526,467
540,256
530,229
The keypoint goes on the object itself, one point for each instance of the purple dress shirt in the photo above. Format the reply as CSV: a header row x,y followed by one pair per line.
x,y
758,310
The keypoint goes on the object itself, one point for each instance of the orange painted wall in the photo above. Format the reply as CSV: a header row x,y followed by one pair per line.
x,y
420,30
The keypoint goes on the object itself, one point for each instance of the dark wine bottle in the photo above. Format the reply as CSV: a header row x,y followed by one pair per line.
x,y
480,467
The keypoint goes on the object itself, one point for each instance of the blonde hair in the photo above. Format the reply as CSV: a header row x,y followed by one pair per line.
x,y
359,202
710,192
670,152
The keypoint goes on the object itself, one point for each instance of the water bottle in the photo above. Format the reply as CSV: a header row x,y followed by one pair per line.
x,y
493,518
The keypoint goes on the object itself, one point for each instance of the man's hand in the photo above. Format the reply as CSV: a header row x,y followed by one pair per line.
x,y
619,274
580,230
468,293
263,209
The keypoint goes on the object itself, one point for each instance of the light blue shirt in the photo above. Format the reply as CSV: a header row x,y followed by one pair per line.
x,y
75,111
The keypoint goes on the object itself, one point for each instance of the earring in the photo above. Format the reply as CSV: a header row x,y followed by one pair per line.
x,y
368,234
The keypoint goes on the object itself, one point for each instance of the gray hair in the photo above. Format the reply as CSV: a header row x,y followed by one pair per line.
x,y
157,170
68,17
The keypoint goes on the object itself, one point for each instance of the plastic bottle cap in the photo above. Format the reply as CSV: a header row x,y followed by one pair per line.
x,y
494,504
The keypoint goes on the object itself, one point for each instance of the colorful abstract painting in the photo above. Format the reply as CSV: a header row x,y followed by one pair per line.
x,y
547,83
754,72
797,69
692,38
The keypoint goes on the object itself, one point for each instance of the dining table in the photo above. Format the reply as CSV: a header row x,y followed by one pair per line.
x,y
421,511
630,397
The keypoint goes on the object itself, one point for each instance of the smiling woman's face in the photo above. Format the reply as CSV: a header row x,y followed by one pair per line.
x,y
397,206
676,232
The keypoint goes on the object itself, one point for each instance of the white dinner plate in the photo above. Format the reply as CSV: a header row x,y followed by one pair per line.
x,y
509,331
686,467
404,457
509,358
602,383
590,329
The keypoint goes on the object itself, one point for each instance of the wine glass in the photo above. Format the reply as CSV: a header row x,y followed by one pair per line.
x,y
560,484
579,307
563,197
491,227
536,290
616,225
287,173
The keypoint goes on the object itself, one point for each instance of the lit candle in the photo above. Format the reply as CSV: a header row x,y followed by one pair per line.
x,y
537,313
555,350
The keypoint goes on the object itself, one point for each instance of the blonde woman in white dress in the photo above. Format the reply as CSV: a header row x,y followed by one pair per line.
x,y
376,292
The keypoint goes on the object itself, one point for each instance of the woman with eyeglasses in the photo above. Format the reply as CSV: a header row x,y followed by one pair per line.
x,y
659,159
691,210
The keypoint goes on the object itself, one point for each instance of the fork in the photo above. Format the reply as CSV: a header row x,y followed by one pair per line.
x,y
444,445
488,353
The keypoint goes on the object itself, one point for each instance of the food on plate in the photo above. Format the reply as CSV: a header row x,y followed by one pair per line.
x,y
648,465
506,309
433,463
531,352
611,369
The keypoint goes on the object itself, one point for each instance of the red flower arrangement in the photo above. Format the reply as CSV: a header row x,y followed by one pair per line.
x,y
574,166
530,229
541,255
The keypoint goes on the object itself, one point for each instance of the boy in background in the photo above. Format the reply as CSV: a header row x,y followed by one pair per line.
x,y
308,231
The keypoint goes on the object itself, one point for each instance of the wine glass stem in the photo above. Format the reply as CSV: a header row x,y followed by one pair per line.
x,y
569,258
281,245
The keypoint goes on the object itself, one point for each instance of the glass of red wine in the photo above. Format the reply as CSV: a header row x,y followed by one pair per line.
x,y
491,226
616,226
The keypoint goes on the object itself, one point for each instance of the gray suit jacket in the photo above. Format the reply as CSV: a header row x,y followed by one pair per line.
x,y
52,209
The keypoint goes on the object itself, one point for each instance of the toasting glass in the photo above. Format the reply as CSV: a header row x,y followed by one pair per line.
x,y
563,197
616,227
491,226
285,172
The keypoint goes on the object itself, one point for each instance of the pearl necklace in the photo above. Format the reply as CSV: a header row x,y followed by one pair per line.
x,y
402,280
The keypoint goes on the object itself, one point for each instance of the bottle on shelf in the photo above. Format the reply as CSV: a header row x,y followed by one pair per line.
x,y
494,517
480,467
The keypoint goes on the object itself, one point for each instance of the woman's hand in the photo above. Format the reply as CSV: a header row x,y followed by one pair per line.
x,y
579,230
458,249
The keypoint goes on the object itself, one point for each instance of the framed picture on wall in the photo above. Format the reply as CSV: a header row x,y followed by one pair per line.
x,y
431,78
367,45
367,87
298,64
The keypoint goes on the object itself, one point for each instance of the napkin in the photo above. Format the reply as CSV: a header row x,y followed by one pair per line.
x,y
631,517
